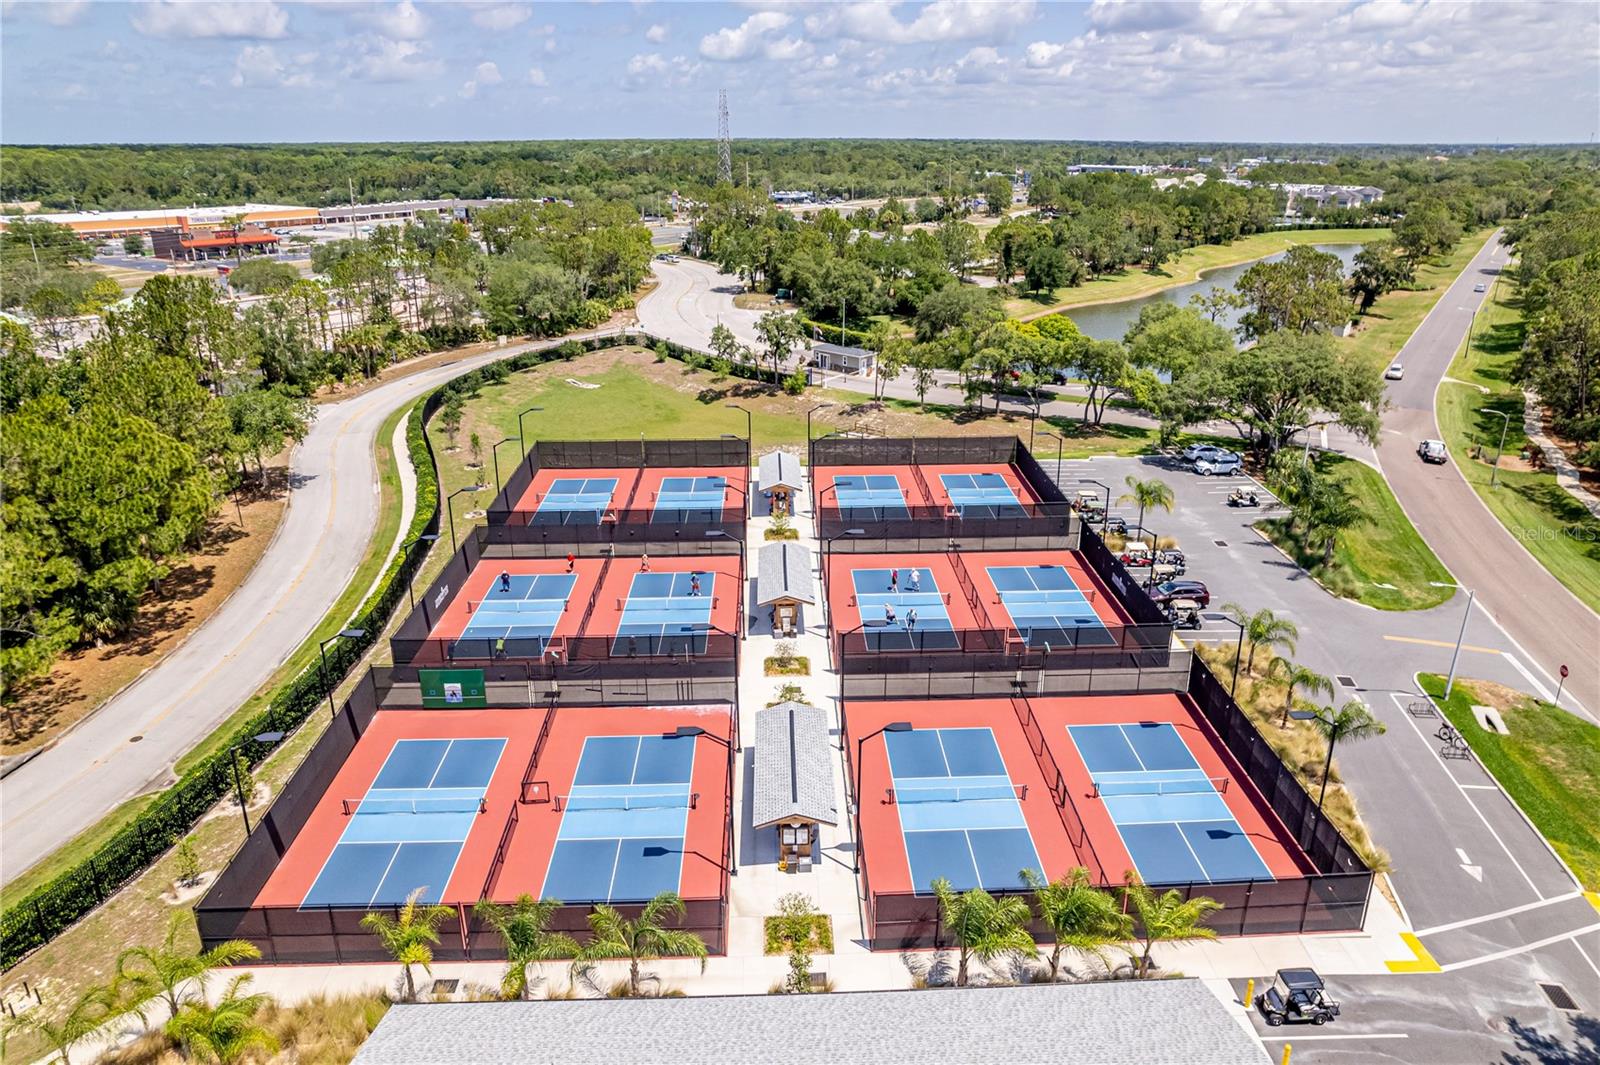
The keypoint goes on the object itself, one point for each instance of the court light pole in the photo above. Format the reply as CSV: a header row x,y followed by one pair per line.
x,y
450,506
749,432
1060,443
496,452
322,651
238,777
733,830
1105,516
1238,651
522,415
827,545
893,726
405,553
1505,424
809,413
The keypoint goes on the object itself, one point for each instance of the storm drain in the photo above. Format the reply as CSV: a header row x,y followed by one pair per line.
x,y
1559,996
1346,680
1220,543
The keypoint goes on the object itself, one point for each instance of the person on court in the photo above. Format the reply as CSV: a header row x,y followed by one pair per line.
x,y
572,561
911,619
694,584
894,580
888,613
644,563
505,581
915,579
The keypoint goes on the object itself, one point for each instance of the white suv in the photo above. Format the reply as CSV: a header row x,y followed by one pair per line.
x,y
1222,462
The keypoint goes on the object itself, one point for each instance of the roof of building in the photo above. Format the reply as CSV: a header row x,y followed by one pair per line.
x,y
228,239
780,469
1125,1022
794,766
194,215
842,349
783,571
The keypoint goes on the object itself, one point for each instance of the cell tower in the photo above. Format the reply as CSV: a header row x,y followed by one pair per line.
x,y
724,146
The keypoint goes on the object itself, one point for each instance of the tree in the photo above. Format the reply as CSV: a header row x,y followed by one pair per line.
x,y
450,416
1165,918
175,973
996,191
894,355
1379,268
260,277
1296,676
925,360
263,419
1291,383
1262,629
523,928
1428,229
960,242
1561,358
94,1006
1048,267
1152,492
53,308
643,939
779,333
724,344
1083,917
1353,721
946,310
1216,303
409,936
133,244
796,927
226,1032
984,927
45,242
1301,293
187,317
1104,367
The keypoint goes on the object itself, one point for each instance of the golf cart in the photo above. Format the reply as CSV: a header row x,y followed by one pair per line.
x,y
1116,523
1183,613
1173,559
1240,497
1136,553
1088,504
1159,572
1296,996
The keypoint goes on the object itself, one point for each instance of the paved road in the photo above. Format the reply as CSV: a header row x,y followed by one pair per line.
x,y
130,745
689,302
1549,622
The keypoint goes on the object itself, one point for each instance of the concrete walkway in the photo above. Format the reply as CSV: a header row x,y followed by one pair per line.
x,y
1556,459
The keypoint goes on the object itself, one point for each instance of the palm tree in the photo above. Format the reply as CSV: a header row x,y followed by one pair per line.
x,y
1295,676
985,927
1153,494
523,929
409,936
161,972
1167,917
1352,721
93,1007
1263,628
1083,917
642,939
223,1033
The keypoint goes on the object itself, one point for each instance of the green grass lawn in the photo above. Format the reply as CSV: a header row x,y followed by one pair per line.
x,y
1549,763
1183,268
1385,550
1386,327
1557,529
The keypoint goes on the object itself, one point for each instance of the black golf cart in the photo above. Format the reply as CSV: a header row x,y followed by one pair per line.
x,y
1296,996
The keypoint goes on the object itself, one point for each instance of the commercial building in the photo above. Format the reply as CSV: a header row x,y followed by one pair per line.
x,y
108,224
193,245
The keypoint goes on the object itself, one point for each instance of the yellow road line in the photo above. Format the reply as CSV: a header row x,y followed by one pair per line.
x,y
1443,643
1593,897
1422,963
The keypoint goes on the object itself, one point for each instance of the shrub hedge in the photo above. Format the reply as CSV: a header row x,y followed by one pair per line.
x,y
54,906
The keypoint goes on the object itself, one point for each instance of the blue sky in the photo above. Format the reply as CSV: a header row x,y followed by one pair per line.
x,y
1344,70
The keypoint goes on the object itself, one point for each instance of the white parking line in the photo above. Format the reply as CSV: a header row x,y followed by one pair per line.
x,y
1511,952
1329,1038
1509,911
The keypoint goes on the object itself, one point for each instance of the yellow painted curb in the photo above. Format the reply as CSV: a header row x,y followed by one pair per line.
x,y
1593,897
1423,963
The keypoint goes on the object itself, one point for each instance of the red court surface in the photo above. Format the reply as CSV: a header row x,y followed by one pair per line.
x,y
724,590
533,836
921,485
1271,839
299,867
882,842
533,841
936,572
636,488
883,846
486,576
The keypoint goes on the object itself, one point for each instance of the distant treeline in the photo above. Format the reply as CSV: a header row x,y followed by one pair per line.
x,y
645,172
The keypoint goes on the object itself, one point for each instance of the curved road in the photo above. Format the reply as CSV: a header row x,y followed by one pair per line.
x,y
130,744
1552,626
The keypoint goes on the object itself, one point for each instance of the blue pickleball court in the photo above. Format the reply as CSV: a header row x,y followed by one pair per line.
x,y
529,609
622,827
981,495
407,831
870,497
664,614
1172,818
1047,607
686,499
931,630
958,810
575,501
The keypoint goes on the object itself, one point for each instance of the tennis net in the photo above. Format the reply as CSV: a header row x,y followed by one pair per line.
x,y
443,804
1064,596
517,606
681,603
1187,786
627,802
958,793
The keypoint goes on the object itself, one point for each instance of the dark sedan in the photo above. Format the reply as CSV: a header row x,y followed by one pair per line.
x,y
1167,591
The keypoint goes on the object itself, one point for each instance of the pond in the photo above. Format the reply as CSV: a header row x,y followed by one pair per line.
x,y
1110,321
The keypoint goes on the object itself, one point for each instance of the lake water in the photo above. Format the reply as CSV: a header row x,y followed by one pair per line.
x,y
1110,321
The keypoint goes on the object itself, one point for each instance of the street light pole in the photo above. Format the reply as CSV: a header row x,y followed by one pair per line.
x,y
1505,424
322,651
238,777
809,413
1060,443
893,726
496,452
521,416
1455,656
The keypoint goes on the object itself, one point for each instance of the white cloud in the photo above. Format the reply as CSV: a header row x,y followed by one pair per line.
x,y
400,21
994,21
383,60
747,40
1041,54
652,71
487,73
537,77
245,21
656,34
500,17
258,65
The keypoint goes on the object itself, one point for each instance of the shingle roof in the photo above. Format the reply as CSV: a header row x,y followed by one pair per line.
x,y
783,571
794,766
1125,1022
779,468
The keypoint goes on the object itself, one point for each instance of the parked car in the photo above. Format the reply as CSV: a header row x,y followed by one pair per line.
x,y
1188,588
1395,372
1433,451
1197,451
1221,464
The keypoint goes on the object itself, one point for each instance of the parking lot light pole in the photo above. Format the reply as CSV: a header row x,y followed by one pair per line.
x,y
1238,651
1455,656
1105,523
520,438
322,651
1060,444
1505,424
893,726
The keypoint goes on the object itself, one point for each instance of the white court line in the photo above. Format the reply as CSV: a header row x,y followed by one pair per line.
x,y
1524,908
1446,769
1480,787
1328,1038
1510,952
